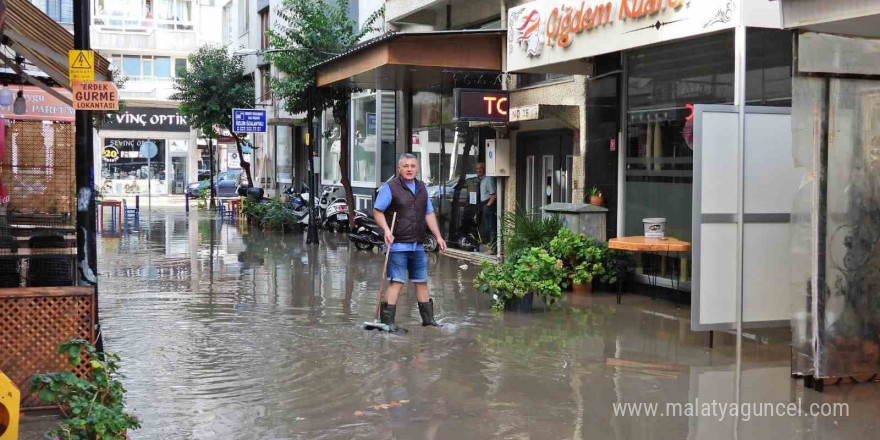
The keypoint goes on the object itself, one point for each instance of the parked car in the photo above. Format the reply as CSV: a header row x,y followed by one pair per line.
x,y
463,197
225,184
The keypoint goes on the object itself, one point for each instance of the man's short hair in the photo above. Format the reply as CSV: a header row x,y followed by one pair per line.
x,y
406,156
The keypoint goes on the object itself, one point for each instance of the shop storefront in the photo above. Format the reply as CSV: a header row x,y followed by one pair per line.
x,y
410,110
123,170
648,68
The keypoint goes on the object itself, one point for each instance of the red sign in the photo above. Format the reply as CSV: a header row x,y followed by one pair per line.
x,y
481,105
41,106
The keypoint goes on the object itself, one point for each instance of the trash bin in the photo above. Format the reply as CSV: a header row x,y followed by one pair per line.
x,y
581,218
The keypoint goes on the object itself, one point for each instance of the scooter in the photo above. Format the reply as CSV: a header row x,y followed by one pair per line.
x,y
333,209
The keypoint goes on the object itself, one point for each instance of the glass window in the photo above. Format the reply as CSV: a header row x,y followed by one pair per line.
x,y
243,9
162,68
527,79
179,65
330,149
129,164
147,66
363,157
131,65
283,153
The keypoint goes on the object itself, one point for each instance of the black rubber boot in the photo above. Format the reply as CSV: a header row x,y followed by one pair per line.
x,y
426,309
386,316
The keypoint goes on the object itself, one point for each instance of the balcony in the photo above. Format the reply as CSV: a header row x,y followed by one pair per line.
x,y
146,34
147,87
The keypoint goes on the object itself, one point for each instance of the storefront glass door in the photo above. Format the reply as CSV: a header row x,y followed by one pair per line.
x,y
545,159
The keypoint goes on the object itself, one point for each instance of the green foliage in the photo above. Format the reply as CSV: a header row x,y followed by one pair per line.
x,y
311,32
584,259
203,197
275,213
531,270
594,191
214,85
93,408
523,230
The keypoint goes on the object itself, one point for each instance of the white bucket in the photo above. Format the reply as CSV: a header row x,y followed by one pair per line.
x,y
655,227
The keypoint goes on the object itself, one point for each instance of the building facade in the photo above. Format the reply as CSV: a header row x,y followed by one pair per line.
x,y
148,42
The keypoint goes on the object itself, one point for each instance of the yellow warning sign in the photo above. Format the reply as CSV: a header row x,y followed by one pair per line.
x,y
81,65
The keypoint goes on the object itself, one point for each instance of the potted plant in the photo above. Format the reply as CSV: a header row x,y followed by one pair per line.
x,y
93,405
596,197
583,259
521,276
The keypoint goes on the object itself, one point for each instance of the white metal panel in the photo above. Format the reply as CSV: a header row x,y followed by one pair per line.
x,y
719,163
771,180
717,273
763,14
767,293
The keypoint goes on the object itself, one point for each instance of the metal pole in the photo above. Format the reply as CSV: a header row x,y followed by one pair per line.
x,y
312,235
211,181
86,208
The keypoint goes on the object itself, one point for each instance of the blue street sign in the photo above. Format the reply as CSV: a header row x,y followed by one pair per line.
x,y
149,149
245,120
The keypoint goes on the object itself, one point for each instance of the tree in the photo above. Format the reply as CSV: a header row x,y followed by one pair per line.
x,y
213,85
311,32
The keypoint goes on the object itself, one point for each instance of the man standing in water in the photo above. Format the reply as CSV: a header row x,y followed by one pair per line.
x,y
488,197
407,197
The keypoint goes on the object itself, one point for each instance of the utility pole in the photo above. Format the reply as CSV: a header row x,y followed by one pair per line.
x,y
312,235
86,224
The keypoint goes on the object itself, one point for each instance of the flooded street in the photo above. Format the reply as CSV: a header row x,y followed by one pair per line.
x,y
253,335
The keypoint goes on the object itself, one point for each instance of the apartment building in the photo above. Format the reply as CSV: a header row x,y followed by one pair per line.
x,y
148,42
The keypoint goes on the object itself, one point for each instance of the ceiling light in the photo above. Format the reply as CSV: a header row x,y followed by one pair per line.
x,y
6,96
20,106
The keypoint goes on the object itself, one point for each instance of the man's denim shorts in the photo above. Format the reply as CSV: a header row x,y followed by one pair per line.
x,y
415,262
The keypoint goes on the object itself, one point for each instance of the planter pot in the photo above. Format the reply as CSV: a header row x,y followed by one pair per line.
x,y
521,305
582,289
597,200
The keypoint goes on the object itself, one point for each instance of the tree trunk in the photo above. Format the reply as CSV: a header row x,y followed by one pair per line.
x,y
344,162
245,165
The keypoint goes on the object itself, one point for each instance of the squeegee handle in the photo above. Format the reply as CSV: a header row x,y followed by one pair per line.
x,y
385,268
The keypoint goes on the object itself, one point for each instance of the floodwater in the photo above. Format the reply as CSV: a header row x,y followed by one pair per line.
x,y
229,333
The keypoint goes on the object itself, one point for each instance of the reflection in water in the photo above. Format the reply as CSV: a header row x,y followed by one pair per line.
x,y
245,334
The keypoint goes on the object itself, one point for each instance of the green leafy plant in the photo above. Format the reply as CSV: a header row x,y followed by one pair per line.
x,y
204,192
93,406
584,259
594,191
523,230
531,270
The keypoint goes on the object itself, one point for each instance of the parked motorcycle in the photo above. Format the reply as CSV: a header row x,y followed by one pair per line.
x,y
367,234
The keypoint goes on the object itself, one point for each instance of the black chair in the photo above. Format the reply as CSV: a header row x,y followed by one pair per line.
x,y
49,271
10,274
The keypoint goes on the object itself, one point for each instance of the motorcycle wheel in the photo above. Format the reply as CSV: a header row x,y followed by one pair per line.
x,y
430,243
362,246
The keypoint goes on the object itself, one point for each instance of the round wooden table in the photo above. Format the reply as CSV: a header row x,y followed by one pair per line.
x,y
640,243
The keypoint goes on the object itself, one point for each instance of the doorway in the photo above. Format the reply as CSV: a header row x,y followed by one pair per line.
x,y
178,174
545,165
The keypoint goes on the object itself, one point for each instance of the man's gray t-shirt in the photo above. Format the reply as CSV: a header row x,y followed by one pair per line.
x,y
487,188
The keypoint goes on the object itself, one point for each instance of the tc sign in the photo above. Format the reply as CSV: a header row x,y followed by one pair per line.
x,y
481,105
245,120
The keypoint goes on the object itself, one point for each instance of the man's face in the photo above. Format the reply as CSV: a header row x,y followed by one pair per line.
x,y
408,169
481,169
